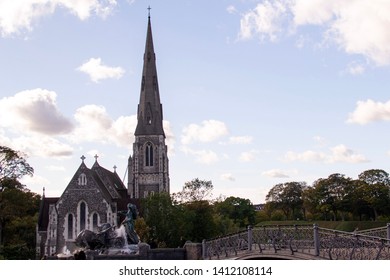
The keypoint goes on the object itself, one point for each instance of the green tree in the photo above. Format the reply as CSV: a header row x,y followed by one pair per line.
x,y
333,195
240,210
18,218
195,190
197,210
373,191
13,166
287,197
18,207
161,218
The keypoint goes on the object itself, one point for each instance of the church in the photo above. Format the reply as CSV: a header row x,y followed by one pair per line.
x,y
95,194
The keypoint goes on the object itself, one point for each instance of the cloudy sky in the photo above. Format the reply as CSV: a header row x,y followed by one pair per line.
x,y
254,92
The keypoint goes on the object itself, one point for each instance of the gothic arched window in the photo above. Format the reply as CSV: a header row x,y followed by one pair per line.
x,y
149,154
82,179
70,226
94,221
83,213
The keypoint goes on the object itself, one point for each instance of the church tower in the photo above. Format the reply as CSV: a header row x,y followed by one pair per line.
x,y
148,167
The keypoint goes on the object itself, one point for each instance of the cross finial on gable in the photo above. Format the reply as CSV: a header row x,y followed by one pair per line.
x,y
96,157
115,167
83,158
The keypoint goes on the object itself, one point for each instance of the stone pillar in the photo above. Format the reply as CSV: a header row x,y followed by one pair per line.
x,y
204,255
316,241
144,249
193,250
250,238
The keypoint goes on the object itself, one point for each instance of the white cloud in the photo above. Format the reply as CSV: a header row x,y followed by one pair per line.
x,y
55,168
264,21
370,111
357,27
34,111
339,153
231,9
202,156
275,173
240,139
248,156
42,146
208,131
17,16
227,177
355,68
95,125
305,156
98,71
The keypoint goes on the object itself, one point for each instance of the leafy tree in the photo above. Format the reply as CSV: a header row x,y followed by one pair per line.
x,y
13,166
240,210
18,207
333,194
198,212
18,218
195,190
287,197
373,191
161,218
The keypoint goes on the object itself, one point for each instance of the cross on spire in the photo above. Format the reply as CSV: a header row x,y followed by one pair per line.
x,y
96,157
149,11
115,167
83,158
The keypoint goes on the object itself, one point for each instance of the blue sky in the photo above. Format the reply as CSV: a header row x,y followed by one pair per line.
x,y
254,93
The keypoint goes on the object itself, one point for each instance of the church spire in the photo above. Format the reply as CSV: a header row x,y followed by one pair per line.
x,y
150,114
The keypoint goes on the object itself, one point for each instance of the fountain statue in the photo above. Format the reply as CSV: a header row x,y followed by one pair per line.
x,y
108,239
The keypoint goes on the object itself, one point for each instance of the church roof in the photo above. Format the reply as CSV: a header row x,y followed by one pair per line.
x,y
43,219
150,116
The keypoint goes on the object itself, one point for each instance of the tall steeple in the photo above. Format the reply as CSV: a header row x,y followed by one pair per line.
x,y
150,116
149,165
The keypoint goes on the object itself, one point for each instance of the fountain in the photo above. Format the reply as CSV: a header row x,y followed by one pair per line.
x,y
111,241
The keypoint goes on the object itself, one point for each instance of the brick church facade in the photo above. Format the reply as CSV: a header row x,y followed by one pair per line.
x,y
95,195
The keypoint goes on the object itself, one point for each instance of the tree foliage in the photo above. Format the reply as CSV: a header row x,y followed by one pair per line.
x,y
336,197
13,165
195,190
18,207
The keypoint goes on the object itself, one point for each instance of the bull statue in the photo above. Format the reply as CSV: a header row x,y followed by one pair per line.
x,y
105,238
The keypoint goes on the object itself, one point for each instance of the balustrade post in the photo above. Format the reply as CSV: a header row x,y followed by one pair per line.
x,y
316,240
388,230
204,256
250,238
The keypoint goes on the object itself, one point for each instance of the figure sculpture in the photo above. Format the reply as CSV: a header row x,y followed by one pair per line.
x,y
128,223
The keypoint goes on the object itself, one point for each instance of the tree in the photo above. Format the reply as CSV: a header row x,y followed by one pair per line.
x,y
287,197
13,166
373,190
195,190
18,207
334,194
18,218
197,210
161,218
240,210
